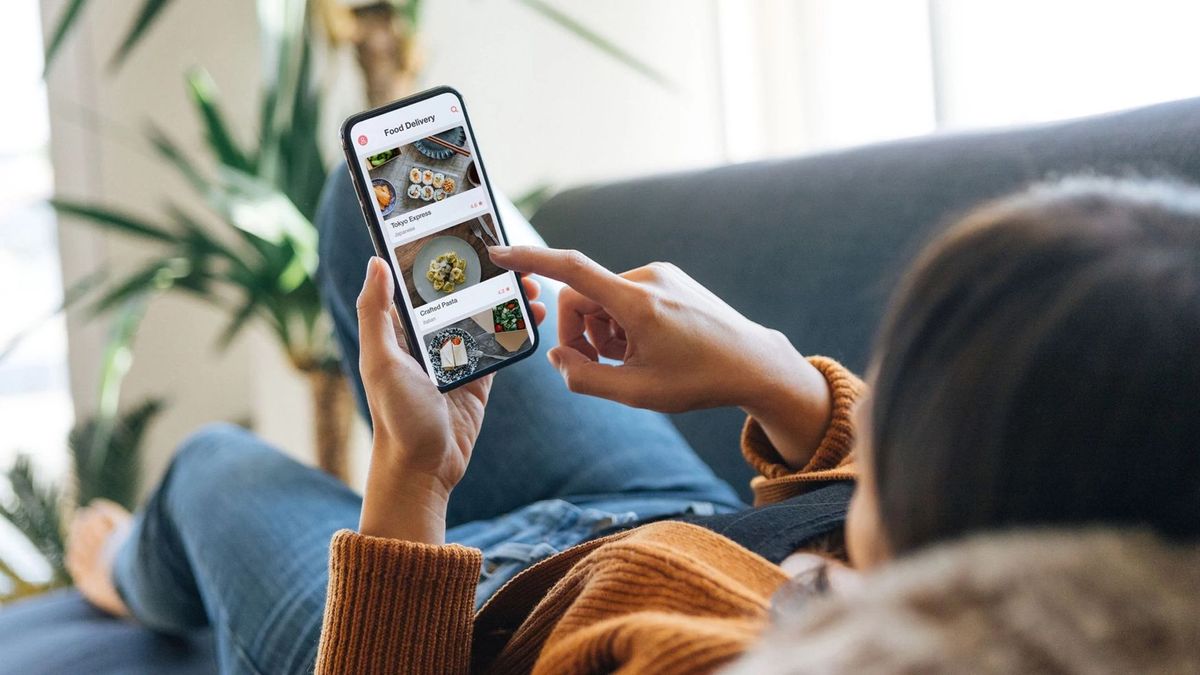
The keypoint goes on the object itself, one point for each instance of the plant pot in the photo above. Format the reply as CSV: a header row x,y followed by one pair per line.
x,y
389,53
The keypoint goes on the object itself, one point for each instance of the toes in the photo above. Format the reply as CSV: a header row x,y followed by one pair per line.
x,y
85,535
108,506
89,534
111,511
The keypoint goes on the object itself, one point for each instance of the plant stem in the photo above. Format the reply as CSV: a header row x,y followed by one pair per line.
x,y
332,412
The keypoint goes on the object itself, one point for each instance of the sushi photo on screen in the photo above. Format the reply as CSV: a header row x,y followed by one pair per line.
x,y
426,171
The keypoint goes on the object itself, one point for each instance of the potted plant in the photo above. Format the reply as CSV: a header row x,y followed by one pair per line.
x,y
266,194
106,453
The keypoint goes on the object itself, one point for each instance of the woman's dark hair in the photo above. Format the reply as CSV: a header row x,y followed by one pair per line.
x,y
1040,366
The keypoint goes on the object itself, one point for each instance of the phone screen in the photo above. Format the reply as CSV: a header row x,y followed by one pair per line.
x,y
426,195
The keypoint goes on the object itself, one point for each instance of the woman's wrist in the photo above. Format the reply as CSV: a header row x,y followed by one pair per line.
x,y
792,403
406,505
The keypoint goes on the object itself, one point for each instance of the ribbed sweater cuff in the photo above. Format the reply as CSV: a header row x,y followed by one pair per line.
x,y
398,607
834,451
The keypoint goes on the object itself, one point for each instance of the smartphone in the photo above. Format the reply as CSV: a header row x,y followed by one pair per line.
x,y
431,212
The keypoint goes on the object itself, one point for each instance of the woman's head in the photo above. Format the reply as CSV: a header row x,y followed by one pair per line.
x,y
1040,365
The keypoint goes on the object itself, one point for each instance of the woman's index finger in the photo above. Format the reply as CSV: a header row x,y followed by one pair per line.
x,y
573,268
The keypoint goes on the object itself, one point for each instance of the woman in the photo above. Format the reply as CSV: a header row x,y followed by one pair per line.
x,y
1038,368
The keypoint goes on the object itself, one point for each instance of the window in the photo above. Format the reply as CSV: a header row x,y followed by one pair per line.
x,y
35,403
1022,61
803,75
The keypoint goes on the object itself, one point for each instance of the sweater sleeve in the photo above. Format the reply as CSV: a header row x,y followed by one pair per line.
x,y
398,607
834,457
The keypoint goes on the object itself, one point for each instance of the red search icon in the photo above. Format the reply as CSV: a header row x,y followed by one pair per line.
x,y
453,108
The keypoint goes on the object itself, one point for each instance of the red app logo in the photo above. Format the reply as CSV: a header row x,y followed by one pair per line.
x,y
362,140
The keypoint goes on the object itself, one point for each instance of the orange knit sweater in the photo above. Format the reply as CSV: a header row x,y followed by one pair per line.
x,y
666,597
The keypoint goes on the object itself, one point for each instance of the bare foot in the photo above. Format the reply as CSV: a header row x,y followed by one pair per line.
x,y
93,539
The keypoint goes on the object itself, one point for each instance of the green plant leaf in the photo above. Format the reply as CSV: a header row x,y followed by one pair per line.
x,y
104,426
110,467
200,244
411,11
105,447
204,95
244,202
265,157
177,158
293,164
158,276
35,510
197,239
285,43
66,22
118,353
259,208
150,11
238,321
114,220
599,42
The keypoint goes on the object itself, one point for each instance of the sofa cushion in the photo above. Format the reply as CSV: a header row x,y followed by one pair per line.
x,y
59,632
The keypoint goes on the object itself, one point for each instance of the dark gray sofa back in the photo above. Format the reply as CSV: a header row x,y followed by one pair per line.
x,y
813,245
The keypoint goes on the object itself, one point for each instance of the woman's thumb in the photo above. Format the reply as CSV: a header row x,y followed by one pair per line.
x,y
376,333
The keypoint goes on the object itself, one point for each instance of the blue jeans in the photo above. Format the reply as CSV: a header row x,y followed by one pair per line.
x,y
237,535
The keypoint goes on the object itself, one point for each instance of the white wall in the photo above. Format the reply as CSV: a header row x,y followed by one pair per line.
x,y
547,108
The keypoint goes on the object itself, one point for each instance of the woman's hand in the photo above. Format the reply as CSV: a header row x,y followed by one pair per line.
x,y
681,347
422,438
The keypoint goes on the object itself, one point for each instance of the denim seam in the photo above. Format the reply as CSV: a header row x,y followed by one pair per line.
x,y
242,654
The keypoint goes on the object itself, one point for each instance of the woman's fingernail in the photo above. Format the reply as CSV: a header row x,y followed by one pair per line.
x,y
499,250
552,357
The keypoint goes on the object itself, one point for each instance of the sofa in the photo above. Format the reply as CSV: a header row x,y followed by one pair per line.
x,y
809,245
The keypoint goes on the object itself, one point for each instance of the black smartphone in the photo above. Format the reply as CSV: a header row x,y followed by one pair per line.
x,y
431,212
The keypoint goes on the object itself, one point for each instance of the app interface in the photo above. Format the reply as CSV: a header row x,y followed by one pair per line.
x,y
437,219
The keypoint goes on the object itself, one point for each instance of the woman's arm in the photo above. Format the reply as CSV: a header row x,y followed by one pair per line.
x,y
400,600
780,477
398,607
794,410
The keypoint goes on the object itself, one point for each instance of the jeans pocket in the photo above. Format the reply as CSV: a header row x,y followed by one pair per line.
x,y
515,553
505,561
536,532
